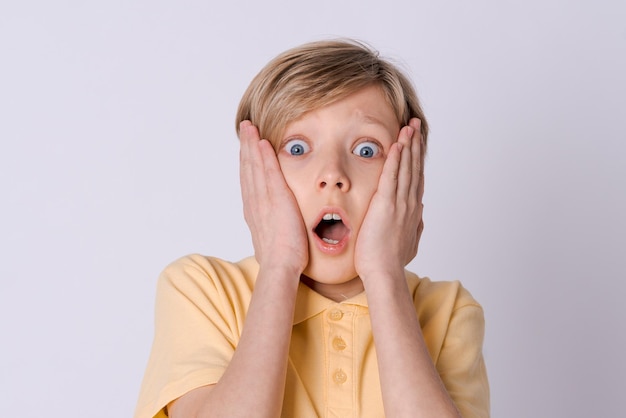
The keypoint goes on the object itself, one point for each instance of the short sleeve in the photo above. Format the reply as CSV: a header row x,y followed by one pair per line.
x,y
199,312
461,364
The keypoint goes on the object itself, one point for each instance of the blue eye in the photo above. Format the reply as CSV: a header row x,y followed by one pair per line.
x,y
297,147
366,150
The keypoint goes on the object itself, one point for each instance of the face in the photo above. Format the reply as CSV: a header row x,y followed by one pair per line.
x,y
332,159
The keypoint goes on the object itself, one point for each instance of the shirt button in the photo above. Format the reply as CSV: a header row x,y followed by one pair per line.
x,y
339,344
340,376
335,315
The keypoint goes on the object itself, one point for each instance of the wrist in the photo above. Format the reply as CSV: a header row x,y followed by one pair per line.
x,y
280,271
382,276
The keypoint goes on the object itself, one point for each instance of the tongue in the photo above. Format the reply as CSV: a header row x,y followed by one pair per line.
x,y
335,231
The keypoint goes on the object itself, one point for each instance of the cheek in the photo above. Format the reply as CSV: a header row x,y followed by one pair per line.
x,y
368,185
369,177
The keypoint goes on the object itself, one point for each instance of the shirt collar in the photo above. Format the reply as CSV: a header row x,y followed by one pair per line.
x,y
310,303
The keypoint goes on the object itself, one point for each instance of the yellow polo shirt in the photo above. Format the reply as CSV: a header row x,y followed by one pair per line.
x,y
200,311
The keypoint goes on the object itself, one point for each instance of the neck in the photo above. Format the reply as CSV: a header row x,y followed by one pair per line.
x,y
336,292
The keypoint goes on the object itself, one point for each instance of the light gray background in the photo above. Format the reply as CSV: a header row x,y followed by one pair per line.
x,y
118,155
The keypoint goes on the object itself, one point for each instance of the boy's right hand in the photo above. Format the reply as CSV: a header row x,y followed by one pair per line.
x,y
270,208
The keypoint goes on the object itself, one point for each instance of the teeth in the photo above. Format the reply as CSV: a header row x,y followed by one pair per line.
x,y
330,241
332,216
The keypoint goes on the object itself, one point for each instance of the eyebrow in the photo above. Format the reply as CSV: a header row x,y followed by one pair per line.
x,y
369,118
373,120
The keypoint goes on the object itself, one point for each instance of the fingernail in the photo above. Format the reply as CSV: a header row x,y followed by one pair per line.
x,y
410,131
244,124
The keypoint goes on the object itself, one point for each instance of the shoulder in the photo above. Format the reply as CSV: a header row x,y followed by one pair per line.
x,y
200,279
447,312
437,295
200,270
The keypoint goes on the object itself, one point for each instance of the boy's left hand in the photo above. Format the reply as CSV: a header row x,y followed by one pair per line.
x,y
390,233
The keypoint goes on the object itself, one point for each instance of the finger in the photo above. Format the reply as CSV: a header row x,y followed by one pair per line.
x,y
388,182
245,138
246,176
253,187
416,157
245,159
419,162
273,174
405,171
420,188
248,153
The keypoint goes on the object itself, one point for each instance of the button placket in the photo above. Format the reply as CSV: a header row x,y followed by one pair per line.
x,y
339,344
340,376
335,315
339,321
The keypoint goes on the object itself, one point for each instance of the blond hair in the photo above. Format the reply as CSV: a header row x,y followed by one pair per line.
x,y
316,74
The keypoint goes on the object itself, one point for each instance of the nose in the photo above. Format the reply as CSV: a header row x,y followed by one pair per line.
x,y
333,176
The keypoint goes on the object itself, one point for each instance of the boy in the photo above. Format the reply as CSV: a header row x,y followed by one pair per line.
x,y
323,320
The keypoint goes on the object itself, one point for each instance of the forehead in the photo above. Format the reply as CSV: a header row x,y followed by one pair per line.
x,y
367,107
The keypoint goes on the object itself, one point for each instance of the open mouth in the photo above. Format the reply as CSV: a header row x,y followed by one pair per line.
x,y
331,229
